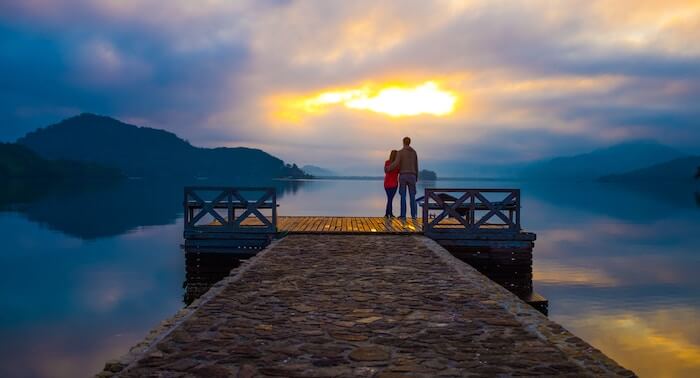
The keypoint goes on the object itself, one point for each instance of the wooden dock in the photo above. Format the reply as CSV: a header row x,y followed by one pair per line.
x,y
480,226
348,225
247,218
331,305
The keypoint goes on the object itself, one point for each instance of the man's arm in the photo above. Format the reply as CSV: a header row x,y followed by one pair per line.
x,y
417,167
394,164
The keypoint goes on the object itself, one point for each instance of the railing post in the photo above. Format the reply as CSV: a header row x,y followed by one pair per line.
x,y
472,209
186,207
426,212
517,210
274,208
229,207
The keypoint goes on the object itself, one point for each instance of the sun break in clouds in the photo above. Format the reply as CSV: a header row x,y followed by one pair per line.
x,y
393,100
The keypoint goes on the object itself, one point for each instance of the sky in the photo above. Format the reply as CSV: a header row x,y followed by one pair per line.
x,y
339,83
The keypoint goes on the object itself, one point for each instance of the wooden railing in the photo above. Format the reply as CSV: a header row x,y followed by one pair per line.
x,y
212,211
471,211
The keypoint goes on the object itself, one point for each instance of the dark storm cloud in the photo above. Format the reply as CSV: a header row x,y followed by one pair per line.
x,y
133,72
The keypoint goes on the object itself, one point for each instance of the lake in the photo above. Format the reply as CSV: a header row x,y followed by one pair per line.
x,y
90,268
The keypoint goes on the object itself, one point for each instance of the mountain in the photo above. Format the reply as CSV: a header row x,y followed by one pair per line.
x,y
317,171
19,162
681,169
148,152
619,158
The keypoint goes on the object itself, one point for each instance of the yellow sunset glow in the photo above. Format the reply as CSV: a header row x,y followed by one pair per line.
x,y
642,339
392,100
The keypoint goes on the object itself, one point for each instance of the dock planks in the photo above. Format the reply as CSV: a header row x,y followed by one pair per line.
x,y
348,225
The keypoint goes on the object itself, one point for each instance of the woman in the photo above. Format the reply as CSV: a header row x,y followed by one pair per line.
x,y
391,183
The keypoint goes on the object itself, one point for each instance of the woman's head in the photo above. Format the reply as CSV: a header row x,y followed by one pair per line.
x,y
392,155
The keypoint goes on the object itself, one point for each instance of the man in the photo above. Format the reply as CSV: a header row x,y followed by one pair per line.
x,y
407,161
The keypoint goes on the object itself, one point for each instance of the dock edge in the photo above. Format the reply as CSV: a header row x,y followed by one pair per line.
x,y
155,335
573,347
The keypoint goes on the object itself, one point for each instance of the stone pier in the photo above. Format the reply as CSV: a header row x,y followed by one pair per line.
x,y
359,305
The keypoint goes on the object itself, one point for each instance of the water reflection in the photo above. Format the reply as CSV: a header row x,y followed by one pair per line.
x,y
633,202
655,342
553,273
70,304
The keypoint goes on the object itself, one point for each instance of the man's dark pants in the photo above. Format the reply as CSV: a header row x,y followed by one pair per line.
x,y
408,180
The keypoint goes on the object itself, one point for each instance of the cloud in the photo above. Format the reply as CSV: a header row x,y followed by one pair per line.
x,y
127,71
594,70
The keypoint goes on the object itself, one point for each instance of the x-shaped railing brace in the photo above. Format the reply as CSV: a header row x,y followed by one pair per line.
x,y
494,210
252,209
207,208
449,209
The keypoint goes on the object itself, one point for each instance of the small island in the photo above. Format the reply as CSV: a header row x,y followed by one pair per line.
x,y
427,175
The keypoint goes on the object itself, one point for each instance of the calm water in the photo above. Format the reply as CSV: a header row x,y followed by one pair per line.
x,y
88,270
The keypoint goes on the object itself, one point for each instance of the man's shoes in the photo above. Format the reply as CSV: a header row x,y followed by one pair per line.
x,y
401,218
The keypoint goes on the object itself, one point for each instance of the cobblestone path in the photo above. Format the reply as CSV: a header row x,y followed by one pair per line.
x,y
368,306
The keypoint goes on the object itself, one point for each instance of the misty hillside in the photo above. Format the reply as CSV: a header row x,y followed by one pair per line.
x,y
616,159
681,169
147,152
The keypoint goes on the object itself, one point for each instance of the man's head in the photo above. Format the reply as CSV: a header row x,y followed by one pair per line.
x,y
406,141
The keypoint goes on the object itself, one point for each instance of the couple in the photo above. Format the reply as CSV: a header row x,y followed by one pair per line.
x,y
401,171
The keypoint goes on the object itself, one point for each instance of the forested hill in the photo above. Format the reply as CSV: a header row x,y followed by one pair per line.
x,y
19,162
147,152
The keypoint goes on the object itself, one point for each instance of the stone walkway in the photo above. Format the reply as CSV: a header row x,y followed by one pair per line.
x,y
368,306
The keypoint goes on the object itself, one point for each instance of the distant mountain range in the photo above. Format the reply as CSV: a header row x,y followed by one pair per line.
x,y
147,152
93,145
617,159
318,171
633,160
19,162
681,169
